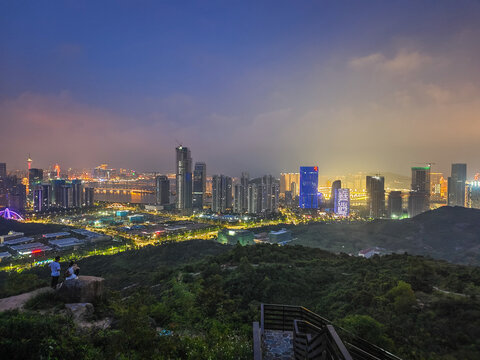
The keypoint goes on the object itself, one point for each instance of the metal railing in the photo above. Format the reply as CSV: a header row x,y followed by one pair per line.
x,y
283,317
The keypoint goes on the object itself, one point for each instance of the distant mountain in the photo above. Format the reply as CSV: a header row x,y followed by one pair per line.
x,y
448,233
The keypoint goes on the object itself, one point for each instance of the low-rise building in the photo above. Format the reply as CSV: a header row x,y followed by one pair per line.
x,y
280,237
10,236
234,236
66,243
30,248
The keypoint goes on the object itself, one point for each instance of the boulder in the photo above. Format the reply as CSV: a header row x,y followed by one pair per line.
x,y
83,289
80,311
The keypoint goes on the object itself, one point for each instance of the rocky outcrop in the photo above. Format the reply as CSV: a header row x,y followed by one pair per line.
x,y
80,311
84,289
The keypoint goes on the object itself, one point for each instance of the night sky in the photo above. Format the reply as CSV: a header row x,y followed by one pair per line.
x,y
259,86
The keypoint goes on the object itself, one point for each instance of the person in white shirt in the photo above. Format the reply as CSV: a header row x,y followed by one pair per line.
x,y
55,268
71,271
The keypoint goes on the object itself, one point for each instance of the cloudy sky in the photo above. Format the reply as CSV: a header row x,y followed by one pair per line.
x,y
262,86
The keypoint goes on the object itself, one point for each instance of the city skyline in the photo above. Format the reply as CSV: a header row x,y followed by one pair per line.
x,y
374,87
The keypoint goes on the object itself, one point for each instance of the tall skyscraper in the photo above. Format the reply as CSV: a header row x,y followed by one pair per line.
x,y
337,184
199,185
474,194
437,187
88,196
395,205
376,195
41,197
241,194
419,197
221,193
162,190
308,187
263,194
77,193
456,185
3,170
184,186
342,201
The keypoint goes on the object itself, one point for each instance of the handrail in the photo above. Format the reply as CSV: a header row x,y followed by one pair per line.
x,y
257,342
281,317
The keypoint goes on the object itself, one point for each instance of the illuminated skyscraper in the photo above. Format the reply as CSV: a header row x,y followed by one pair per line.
x,y
308,187
162,190
221,193
41,197
376,196
88,196
474,194
395,205
337,184
456,185
419,197
184,186
240,205
342,202
35,176
199,185
263,195
437,187
77,193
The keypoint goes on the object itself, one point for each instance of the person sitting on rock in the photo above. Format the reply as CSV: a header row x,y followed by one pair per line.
x,y
70,273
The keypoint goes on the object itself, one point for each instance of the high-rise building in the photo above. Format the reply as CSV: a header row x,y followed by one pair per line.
x,y
342,201
263,194
375,195
57,192
41,197
395,205
437,187
3,170
184,183
308,187
456,185
77,193
419,197
221,193
162,190
337,184
88,196
16,197
240,204
35,176
474,194
199,185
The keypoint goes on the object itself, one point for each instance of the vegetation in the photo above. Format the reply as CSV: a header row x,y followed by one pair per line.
x,y
197,300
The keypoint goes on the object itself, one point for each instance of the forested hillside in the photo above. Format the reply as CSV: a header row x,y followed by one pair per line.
x,y
208,295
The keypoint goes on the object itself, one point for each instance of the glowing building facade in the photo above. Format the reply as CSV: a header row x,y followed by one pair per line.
x,y
342,202
376,195
308,198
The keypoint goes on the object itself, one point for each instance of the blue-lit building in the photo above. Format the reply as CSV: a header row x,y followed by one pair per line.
x,y
308,198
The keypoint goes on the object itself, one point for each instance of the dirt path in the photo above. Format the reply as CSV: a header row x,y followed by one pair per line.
x,y
17,301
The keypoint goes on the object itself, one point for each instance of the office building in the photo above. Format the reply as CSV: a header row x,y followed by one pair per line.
x,y
221,193
16,197
456,185
35,176
183,180
395,205
308,198
375,196
3,170
240,205
419,197
342,201
162,190
474,194
235,236
57,193
199,185
88,196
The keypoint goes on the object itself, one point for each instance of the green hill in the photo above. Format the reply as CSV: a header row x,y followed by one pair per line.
x,y
448,233
209,294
